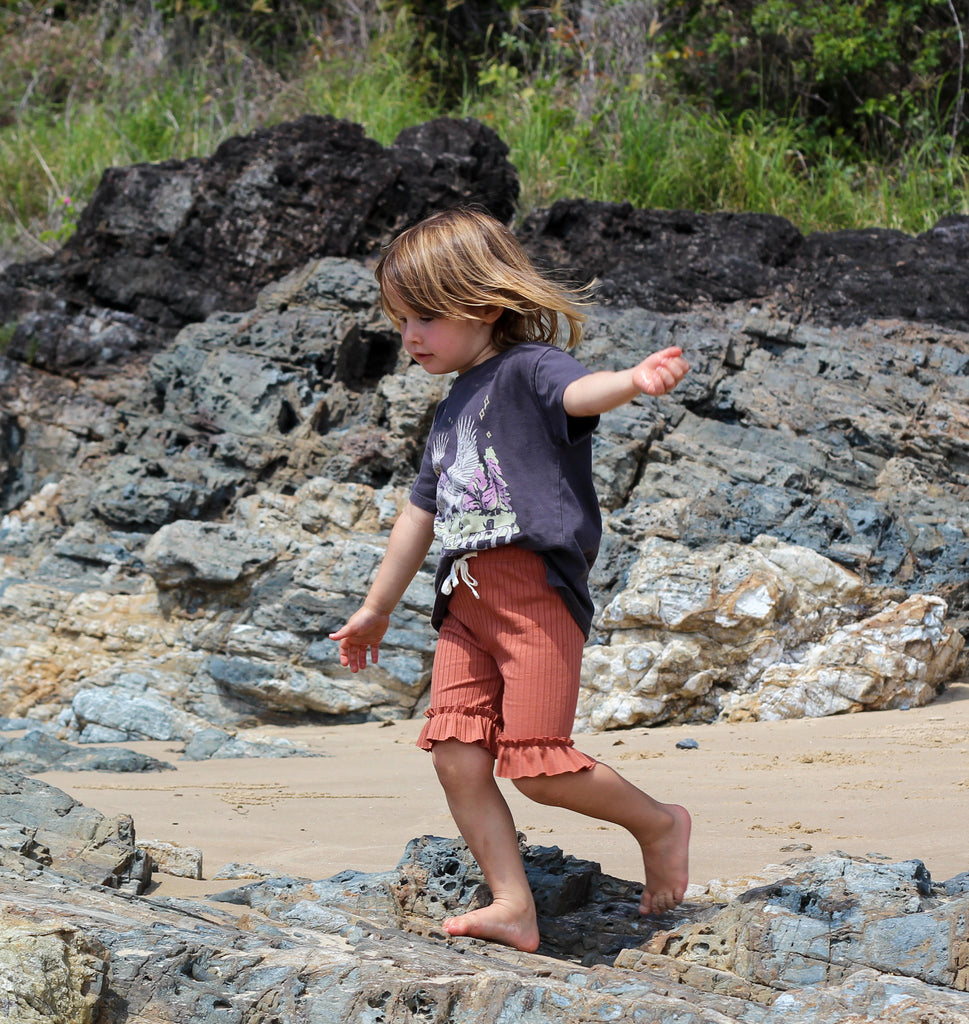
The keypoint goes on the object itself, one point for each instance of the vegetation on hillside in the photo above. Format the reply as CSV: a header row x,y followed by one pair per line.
x,y
843,114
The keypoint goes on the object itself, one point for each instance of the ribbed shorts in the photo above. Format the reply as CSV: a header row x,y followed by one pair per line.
x,y
507,667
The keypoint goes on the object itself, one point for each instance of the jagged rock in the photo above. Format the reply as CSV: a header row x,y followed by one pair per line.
x,y
811,947
188,964
816,928
760,631
162,245
206,555
313,429
438,877
51,972
37,751
131,709
867,995
302,385
671,260
125,712
201,518
44,828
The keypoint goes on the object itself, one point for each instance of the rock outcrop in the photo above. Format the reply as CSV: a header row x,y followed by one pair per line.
x,y
45,832
830,938
182,531
162,245
671,260
193,532
206,431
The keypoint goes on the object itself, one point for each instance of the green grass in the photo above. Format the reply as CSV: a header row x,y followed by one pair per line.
x,y
606,137
639,149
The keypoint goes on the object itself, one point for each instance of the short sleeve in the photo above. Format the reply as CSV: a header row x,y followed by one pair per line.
x,y
552,373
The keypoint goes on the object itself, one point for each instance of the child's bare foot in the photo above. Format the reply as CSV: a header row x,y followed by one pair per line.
x,y
497,923
667,860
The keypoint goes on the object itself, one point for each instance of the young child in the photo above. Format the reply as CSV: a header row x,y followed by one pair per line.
x,y
506,485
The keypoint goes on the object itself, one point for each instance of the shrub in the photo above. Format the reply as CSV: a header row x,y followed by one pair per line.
x,y
875,76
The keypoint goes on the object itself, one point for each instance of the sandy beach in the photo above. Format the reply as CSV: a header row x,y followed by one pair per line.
x,y
890,783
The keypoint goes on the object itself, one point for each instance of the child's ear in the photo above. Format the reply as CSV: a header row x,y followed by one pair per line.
x,y
489,314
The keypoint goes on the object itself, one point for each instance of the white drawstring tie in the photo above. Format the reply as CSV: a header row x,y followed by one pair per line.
x,y
461,574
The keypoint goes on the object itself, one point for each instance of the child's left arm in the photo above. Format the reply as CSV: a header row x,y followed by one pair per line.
x,y
599,392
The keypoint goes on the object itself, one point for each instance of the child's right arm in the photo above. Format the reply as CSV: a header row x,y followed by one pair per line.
x,y
410,540
596,393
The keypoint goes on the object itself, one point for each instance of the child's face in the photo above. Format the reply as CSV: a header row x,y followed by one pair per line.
x,y
443,345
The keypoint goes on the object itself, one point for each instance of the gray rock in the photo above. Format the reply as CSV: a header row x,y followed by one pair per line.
x,y
831,916
206,555
866,995
173,859
810,948
804,486
15,724
957,885
40,752
144,715
230,618
215,743
61,834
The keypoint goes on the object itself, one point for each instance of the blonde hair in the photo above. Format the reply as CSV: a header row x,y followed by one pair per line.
x,y
460,261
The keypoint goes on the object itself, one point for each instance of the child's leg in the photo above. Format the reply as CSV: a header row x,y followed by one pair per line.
x,y
461,733
466,771
662,830
539,654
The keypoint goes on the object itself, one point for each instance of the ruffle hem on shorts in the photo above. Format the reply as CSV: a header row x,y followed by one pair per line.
x,y
542,755
469,725
516,759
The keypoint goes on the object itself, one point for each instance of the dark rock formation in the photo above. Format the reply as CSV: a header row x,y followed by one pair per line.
x,y
182,528
162,245
42,829
818,456
673,260
298,426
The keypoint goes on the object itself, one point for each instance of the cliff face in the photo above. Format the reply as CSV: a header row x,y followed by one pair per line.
x,y
195,498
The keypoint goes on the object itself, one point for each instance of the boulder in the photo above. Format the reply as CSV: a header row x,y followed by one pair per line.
x,y
760,631
39,751
162,245
818,926
44,829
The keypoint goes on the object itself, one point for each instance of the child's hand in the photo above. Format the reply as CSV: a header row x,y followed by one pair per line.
x,y
364,631
661,372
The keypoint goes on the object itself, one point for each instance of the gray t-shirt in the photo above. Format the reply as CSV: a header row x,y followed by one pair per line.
x,y
505,464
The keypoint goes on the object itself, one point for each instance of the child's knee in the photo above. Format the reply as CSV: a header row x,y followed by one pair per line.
x,y
535,787
458,763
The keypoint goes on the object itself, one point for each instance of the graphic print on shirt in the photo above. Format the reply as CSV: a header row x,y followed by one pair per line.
x,y
473,503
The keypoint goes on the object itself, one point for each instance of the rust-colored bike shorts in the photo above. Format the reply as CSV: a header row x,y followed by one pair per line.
x,y
507,667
